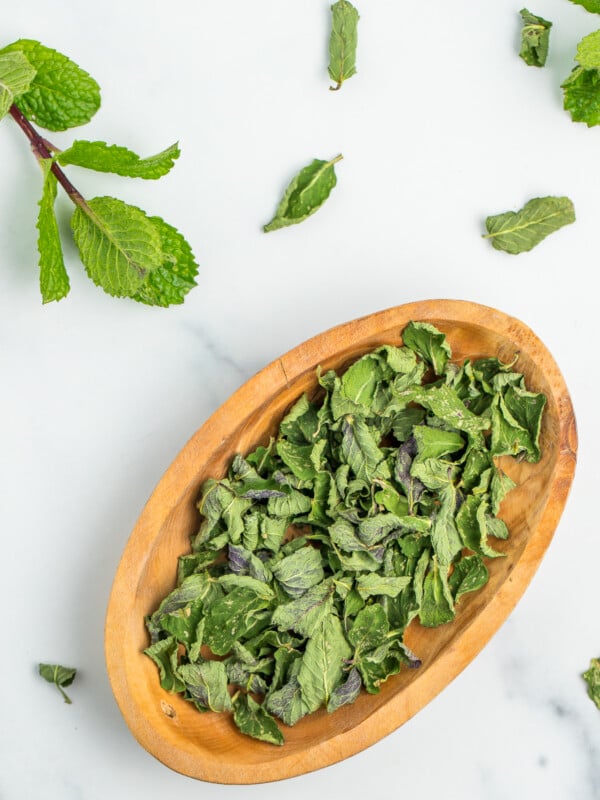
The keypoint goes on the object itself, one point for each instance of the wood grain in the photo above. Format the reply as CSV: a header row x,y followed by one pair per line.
x,y
208,746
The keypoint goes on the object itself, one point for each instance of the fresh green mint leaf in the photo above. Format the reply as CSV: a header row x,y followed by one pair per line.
x,y
590,5
102,157
592,678
59,676
519,231
61,95
342,42
16,74
255,721
535,39
54,281
118,244
582,96
305,194
588,51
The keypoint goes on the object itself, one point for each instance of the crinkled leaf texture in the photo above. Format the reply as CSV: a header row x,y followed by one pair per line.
x,y
61,95
254,720
343,42
305,194
318,549
582,96
535,39
16,74
119,160
176,276
54,281
589,5
592,678
118,244
519,231
588,51
130,254
58,675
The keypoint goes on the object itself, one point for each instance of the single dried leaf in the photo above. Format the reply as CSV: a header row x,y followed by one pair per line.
x,y
305,194
535,39
519,231
342,42
58,675
254,720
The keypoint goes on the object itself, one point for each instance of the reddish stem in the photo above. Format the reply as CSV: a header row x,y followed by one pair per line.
x,y
41,151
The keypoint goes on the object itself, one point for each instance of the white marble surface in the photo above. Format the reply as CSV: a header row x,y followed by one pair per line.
x,y
443,125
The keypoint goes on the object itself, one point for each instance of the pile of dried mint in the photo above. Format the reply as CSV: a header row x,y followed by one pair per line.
x,y
372,507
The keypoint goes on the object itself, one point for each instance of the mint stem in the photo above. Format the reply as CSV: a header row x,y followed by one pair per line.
x,y
40,148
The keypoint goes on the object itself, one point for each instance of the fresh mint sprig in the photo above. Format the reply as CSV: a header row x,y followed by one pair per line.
x,y
125,252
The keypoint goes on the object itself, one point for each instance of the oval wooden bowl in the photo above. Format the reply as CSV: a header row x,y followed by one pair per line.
x,y
208,746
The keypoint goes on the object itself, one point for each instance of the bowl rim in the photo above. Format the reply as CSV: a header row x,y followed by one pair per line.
x,y
400,707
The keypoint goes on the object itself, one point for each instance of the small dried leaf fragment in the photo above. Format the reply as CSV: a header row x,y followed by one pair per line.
x,y
535,39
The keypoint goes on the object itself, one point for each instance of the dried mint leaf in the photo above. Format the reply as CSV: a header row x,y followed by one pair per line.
x,y
58,675
305,194
342,42
316,551
254,720
519,231
535,39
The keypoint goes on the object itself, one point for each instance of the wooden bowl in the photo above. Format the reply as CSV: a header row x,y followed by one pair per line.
x,y
208,746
